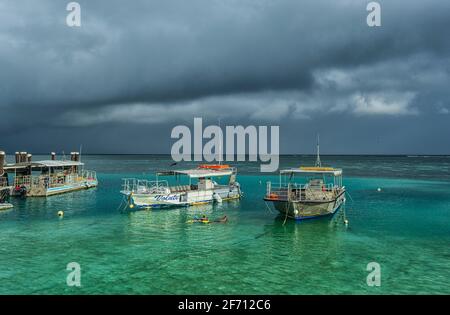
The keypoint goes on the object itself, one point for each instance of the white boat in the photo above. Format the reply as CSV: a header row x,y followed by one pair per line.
x,y
307,192
4,193
200,188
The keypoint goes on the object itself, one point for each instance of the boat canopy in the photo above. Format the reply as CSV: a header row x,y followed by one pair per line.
x,y
202,172
40,164
215,166
314,170
53,163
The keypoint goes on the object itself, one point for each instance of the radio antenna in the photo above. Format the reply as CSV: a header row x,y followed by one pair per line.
x,y
318,162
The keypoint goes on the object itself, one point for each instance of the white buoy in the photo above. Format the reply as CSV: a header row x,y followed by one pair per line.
x,y
60,214
346,222
379,189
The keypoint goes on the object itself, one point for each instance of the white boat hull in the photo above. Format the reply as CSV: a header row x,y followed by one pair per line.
x,y
308,210
5,206
181,199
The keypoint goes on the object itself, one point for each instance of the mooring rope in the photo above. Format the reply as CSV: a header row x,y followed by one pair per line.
x,y
268,208
345,207
286,209
346,192
119,208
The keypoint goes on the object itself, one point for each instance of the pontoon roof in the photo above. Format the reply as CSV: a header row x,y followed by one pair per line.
x,y
197,173
314,170
54,163
45,163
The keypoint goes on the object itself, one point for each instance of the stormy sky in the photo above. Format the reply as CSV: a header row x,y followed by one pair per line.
x,y
136,69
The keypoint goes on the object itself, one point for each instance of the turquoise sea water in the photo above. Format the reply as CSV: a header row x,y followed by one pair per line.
x,y
405,228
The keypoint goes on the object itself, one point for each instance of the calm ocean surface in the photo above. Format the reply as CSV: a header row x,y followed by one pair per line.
x,y
405,228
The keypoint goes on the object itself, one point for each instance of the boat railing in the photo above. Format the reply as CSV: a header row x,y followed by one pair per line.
x,y
277,193
54,180
89,175
300,192
142,186
22,180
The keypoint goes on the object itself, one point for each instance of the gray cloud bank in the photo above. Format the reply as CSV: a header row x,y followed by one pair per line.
x,y
134,70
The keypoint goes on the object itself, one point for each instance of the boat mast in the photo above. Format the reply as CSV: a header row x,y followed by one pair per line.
x,y
220,145
318,162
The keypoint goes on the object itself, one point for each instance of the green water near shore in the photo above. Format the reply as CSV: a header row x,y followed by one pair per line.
x,y
405,228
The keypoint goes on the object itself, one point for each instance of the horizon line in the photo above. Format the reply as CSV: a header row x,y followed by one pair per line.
x,y
281,154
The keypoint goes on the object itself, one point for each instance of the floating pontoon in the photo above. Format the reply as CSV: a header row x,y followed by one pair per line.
x,y
47,177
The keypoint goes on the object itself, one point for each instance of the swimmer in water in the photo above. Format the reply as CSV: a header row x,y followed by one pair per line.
x,y
204,219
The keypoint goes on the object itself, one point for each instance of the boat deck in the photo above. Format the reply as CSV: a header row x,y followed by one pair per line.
x,y
49,185
303,194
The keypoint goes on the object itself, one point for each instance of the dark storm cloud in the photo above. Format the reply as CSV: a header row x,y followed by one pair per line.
x,y
148,65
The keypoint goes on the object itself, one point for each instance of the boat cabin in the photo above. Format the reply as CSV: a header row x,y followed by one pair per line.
x,y
307,184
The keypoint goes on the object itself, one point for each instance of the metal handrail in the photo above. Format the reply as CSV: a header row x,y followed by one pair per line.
x,y
301,192
134,185
54,180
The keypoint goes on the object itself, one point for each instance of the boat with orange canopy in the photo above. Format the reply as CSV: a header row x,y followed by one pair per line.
x,y
214,166
199,187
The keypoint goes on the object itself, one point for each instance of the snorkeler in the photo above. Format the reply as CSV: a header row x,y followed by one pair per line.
x,y
204,219
221,220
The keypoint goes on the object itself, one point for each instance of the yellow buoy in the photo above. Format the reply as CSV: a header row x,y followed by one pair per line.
x,y
131,206
60,214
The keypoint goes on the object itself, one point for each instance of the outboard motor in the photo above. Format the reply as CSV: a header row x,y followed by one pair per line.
x,y
21,190
217,198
